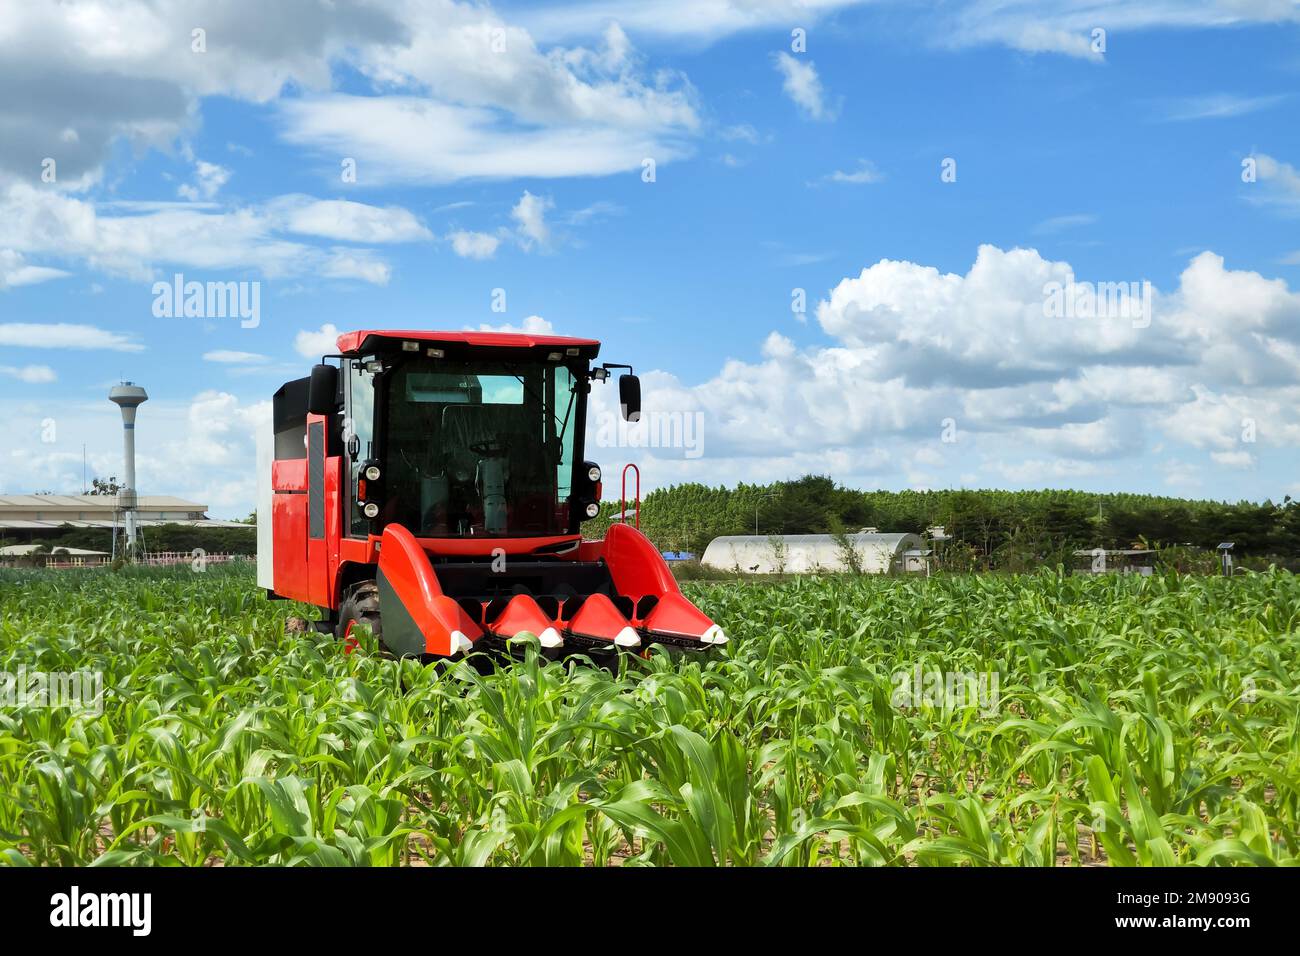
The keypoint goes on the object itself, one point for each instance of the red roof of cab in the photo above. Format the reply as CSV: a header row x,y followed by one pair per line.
x,y
350,342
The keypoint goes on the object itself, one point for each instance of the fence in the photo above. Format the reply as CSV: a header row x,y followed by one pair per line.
x,y
163,558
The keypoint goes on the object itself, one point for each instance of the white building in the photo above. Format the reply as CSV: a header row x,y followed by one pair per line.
x,y
24,517
813,553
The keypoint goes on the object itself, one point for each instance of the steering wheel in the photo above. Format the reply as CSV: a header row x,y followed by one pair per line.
x,y
415,467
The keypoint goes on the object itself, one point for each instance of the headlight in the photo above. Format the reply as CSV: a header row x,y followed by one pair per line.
x,y
371,510
372,473
593,473
593,509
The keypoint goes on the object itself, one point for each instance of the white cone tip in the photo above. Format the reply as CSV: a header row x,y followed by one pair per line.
x,y
550,638
460,643
628,638
714,635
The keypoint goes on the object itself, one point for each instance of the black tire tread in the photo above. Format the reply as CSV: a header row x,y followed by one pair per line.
x,y
362,606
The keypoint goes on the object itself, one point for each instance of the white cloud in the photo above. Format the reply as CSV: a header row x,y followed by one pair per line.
x,y
346,220
741,131
140,240
1035,26
414,140
64,335
227,357
1066,26
472,97
1278,184
802,84
533,323
696,19
199,448
474,245
865,172
1033,399
342,263
531,230
478,96
1037,472
1234,459
15,272
313,345
1216,106
30,374
208,180
99,71
1060,223
530,214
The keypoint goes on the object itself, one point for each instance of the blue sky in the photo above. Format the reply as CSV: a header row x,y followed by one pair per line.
x,y
503,147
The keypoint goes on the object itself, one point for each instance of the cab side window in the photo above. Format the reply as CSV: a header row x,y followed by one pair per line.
x,y
358,435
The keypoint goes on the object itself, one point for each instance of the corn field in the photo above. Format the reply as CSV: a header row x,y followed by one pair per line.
x,y
1120,721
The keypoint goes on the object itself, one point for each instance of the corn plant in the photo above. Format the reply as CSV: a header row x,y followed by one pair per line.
x,y
1136,721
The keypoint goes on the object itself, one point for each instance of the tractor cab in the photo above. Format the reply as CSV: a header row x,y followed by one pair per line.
x,y
476,436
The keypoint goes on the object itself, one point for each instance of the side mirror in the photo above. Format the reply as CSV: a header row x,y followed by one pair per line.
x,y
629,396
322,391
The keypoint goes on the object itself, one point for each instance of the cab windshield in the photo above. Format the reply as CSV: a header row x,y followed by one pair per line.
x,y
480,448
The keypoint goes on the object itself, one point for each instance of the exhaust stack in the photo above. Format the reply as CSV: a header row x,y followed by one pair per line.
x,y
128,397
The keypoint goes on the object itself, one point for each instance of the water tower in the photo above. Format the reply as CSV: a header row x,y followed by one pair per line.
x,y
128,396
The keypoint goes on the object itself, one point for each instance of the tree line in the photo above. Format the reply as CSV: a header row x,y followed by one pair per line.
x,y
988,528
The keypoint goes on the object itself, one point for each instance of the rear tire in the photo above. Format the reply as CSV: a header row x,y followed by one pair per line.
x,y
360,606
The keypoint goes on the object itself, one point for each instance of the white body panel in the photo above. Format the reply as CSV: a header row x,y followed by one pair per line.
x,y
265,539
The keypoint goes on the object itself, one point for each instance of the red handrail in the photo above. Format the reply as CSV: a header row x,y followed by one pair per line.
x,y
622,498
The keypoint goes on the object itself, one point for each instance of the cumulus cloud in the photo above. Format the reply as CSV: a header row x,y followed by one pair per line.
x,y
134,240
1277,184
208,180
801,83
533,323
313,345
531,230
99,71
471,96
970,366
476,95
473,245
199,448
530,215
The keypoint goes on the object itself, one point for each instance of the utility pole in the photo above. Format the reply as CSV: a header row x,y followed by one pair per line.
x,y
756,504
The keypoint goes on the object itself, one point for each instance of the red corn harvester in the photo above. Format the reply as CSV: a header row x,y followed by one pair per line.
x,y
432,485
